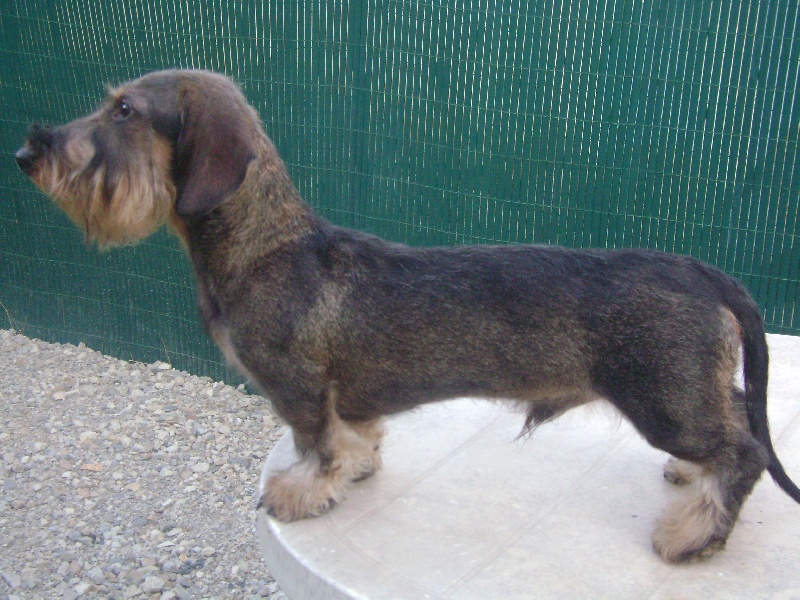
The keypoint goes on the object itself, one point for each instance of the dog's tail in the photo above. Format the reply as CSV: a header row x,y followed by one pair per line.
x,y
756,366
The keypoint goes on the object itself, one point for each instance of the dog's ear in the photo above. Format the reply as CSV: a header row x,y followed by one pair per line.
x,y
213,148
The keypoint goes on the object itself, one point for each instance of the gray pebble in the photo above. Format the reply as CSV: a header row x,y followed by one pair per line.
x,y
181,592
96,575
12,579
152,585
172,566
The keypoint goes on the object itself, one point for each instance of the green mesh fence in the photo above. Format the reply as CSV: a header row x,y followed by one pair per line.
x,y
670,124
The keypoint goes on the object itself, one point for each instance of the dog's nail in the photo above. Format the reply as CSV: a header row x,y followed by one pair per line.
x,y
363,476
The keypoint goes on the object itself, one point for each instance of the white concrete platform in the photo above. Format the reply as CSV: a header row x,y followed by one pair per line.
x,y
463,510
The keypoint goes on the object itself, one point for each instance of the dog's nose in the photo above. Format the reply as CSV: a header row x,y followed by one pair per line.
x,y
26,158
41,139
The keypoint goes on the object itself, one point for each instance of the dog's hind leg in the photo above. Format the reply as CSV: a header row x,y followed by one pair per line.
x,y
700,422
699,526
717,460
682,394
344,453
722,461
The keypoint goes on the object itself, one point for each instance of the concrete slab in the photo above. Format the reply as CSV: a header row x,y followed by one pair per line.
x,y
462,510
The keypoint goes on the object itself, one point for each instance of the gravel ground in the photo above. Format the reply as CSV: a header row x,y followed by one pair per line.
x,y
126,480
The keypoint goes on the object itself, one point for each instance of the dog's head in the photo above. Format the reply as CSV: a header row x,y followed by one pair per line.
x,y
171,144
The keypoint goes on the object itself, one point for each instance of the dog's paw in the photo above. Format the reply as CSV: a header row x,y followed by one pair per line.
x,y
694,527
289,497
287,512
672,554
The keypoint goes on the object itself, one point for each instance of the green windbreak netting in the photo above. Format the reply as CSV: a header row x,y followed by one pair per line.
x,y
670,124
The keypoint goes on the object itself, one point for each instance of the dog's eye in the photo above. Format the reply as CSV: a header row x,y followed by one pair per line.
x,y
121,111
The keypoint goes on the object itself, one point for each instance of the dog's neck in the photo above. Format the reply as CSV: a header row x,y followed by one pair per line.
x,y
264,215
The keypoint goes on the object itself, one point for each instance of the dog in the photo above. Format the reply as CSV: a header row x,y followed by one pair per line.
x,y
339,328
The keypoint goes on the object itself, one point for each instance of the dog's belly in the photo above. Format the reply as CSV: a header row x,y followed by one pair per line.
x,y
361,403
375,395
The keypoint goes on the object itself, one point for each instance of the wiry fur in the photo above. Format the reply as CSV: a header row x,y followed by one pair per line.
x,y
340,328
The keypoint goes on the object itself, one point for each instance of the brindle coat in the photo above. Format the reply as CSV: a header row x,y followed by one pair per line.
x,y
339,328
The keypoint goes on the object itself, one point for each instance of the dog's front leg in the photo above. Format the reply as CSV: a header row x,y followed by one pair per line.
x,y
334,454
